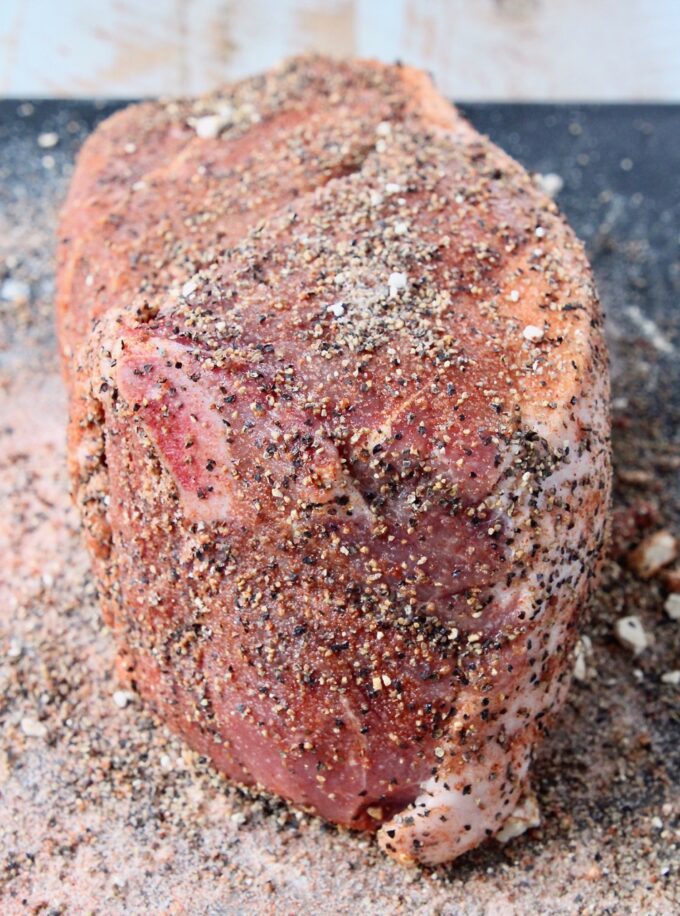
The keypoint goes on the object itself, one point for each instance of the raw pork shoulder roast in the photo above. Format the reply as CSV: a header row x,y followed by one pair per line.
x,y
339,439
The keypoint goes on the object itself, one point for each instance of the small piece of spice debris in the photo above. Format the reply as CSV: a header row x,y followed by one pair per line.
x,y
672,607
532,333
631,634
32,728
671,677
48,140
635,477
671,579
525,816
656,551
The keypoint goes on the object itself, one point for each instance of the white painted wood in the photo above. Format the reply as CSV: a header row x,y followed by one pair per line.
x,y
477,49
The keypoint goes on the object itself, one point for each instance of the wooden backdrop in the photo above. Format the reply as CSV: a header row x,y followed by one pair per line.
x,y
478,49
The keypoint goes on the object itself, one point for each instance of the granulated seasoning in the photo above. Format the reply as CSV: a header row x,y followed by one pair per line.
x,y
102,811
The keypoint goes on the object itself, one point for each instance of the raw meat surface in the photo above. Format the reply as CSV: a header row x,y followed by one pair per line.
x,y
339,438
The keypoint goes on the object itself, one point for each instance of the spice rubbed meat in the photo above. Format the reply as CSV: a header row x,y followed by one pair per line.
x,y
339,438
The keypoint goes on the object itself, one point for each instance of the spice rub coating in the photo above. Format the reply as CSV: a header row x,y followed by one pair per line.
x,y
339,438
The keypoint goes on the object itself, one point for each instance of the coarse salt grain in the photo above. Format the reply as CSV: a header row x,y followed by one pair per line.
x,y
532,333
337,309
48,140
14,650
392,188
580,669
384,129
631,634
396,282
583,652
32,728
671,677
209,127
15,291
121,698
190,287
550,183
672,607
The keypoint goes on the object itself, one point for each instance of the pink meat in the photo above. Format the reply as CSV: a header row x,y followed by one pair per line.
x,y
339,437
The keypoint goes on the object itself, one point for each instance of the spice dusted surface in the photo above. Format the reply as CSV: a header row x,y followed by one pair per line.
x,y
343,555
100,803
